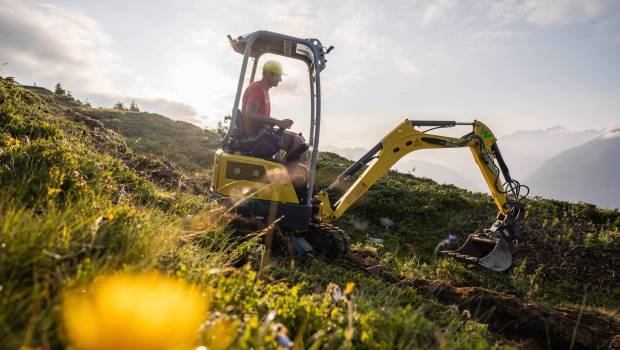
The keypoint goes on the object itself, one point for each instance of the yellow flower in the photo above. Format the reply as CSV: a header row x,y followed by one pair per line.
x,y
53,191
349,288
134,311
12,142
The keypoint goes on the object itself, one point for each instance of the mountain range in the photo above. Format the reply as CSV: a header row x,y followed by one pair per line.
x,y
588,173
527,150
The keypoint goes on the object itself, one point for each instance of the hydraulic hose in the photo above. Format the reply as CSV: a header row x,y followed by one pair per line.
x,y
501,162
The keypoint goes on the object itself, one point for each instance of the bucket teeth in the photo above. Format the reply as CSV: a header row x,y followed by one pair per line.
x,y
463,257
491,253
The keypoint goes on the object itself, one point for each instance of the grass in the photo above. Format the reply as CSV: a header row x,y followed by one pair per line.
x,y
152,134
75,206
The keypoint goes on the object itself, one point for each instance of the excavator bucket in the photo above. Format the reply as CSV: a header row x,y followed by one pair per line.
x,y
492,253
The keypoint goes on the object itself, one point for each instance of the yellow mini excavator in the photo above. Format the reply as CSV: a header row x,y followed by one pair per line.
x,y
267,189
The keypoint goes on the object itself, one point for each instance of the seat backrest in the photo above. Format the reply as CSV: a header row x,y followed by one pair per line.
x,y
238,129
236,132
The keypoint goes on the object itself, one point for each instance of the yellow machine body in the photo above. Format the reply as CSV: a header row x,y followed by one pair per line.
x,y
239,177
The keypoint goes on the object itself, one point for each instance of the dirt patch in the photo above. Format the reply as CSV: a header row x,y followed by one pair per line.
x,y
576,259
528,323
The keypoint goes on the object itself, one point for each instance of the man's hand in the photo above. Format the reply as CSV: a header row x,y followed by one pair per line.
x,y
285,123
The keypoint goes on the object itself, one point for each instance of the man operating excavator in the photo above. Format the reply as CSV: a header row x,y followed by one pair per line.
x,y
261,139
270,190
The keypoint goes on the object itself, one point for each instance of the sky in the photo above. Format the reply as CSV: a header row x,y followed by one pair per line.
x,y
525,64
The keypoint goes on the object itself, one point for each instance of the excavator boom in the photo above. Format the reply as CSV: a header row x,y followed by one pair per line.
x,y
491,248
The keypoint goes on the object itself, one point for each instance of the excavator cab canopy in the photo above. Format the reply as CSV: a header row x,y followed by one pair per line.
x,y
309,51
283,45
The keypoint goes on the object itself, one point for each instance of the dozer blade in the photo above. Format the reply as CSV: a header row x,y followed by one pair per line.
x,y
492,253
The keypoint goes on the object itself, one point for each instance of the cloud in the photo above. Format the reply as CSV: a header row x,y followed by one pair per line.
x,y
543,13
53,44
404,64
171,109
546,13
485,36
612,130
355,32
57,44
438,9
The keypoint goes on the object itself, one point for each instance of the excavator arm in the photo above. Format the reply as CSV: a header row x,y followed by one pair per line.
x,y
490,248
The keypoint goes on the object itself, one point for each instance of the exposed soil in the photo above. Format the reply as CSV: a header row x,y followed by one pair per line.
x,y
530,324
594,264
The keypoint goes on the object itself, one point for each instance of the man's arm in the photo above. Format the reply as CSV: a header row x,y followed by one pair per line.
x,y
255,116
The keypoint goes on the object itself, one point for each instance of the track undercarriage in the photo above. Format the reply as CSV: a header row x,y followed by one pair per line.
x,y
326,240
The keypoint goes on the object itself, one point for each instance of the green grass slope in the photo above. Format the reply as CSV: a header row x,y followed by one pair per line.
x,y
71,210
77,202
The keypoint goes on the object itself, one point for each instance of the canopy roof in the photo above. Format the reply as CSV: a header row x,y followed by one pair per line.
x,y
307,50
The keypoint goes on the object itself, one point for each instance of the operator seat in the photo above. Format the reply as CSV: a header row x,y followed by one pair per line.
x,y
261,145
254,146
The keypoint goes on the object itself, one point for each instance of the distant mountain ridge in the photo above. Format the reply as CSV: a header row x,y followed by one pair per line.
x,y
589,172
526,150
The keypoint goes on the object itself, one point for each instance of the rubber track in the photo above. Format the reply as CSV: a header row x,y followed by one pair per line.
x,y
328,241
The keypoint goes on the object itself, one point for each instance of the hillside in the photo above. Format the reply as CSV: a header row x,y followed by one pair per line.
x,y
145,133
83,198
589,173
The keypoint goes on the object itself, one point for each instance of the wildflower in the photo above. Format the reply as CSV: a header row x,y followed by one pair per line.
x,y
349,288
53,191
284,341
11,141
336,293
282,336
134,311
57,175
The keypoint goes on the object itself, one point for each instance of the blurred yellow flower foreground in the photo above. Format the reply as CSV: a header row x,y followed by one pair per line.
x,y
134,311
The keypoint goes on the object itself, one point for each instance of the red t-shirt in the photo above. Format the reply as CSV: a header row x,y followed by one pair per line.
x,y
258,94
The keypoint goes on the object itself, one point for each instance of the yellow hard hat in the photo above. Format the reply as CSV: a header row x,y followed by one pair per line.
x,y
273,66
